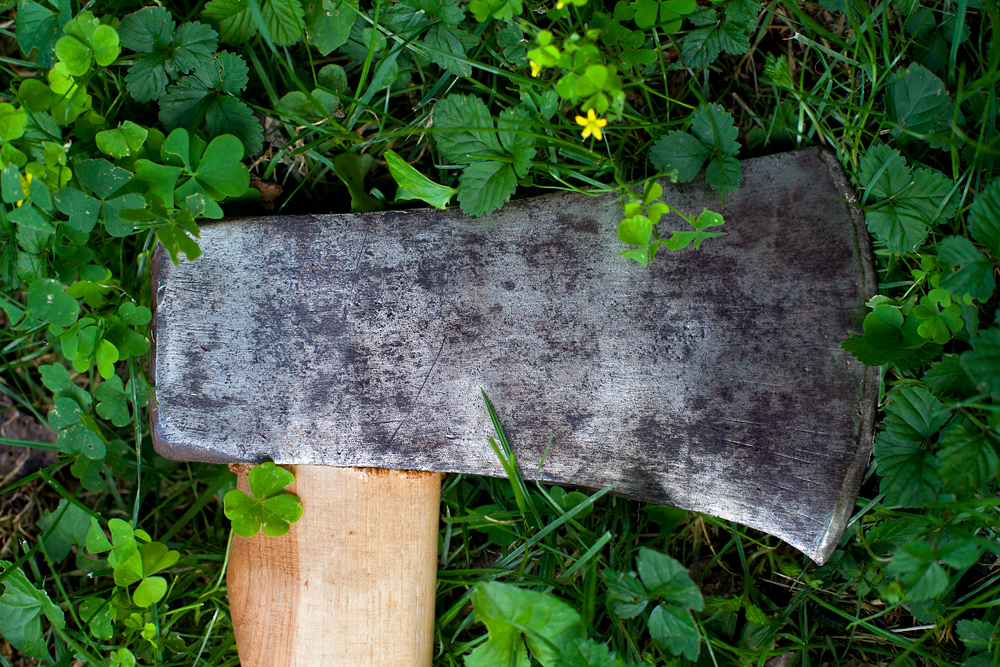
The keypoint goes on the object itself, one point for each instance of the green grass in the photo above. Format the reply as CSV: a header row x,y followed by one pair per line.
x,y
808,76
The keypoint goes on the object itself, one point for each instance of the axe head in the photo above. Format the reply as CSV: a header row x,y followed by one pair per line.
x,y
713,380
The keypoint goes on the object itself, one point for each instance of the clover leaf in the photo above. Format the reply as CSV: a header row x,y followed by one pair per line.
x,y
87,40
269,506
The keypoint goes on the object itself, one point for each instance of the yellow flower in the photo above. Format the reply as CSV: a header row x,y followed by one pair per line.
x,y
560,4
592,125
535,68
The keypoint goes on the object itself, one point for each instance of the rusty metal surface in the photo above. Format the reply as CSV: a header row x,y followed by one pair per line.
x,y
712,381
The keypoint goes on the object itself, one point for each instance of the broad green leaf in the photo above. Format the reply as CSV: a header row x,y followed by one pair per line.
x,y
414,185
982,362
80,439
48,301
520,620
882,171
486,186
587,653
149,591
156,557
919,104
900,228
352,169
918,570
972,271
232,19
715,127
170,52
931,194
976,634
123,140
135,315
968,459
680,151
102,177
106,355
220,170
205,100
446,46
984,218
71,530
13,122
518,145
21,609
724,174
98,614
908,470
64,413
84,40
161,179
39,26
637,230
947,378
334,77
35,95
674,629
467,129
112,405
329,26
666,578
97,541
918,409
82,210
284,20
268,480
626,594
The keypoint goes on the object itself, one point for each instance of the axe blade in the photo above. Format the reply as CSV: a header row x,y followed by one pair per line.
x,y
712,380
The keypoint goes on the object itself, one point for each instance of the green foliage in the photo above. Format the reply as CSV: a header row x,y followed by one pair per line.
x,y
414,185
714,140
268,506
21,609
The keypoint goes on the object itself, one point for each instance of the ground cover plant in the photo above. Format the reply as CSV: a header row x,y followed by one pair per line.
x,y
123,125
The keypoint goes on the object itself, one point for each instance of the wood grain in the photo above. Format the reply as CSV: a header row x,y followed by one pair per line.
x,y
352,583
713,380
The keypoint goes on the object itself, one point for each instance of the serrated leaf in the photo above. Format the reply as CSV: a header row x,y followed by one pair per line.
x,y
900,228
446,47
908,470
919,104
976,634
486,186
468,129
414,185
626,594
70,530
920,410
714,126
170,52
520,620
674,629
947,378
984,218
681,151
39,27
232,19
724,174
21,608
204,99
882,171
284,20
968,459
972,271
982,362
667,578
701,47
919,570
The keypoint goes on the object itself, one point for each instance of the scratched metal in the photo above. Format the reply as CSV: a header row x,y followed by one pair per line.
x,y
712,381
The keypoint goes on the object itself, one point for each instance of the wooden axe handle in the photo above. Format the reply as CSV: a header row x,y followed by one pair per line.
x,y
352,583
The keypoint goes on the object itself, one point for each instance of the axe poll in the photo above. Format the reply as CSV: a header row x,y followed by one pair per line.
x,y
354,348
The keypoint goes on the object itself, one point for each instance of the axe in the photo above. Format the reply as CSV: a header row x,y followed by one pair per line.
x,y
353,348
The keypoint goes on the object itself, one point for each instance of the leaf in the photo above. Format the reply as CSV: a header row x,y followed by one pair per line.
x,y
112,405
204,99
976,634
284,20
485,186
520,620
908,470
82,210
232,19
86,40
123,140
900,228
680,151
97,541
98,615
984,218
637,230
80,439
982,362
102,177
947,378
883,171
71,529
920,105
724,174
351,168
968,459
170,53
414,185
268,506
39,27
666,578
21,609
626,594
220,172
329,26
972,273
48,301
920,410
715,126
150,591
674,629
156,557
446,47
468,129
919,571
